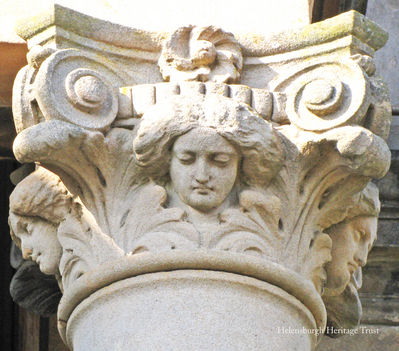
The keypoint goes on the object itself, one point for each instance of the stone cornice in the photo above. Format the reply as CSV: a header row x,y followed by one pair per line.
x,y
59,24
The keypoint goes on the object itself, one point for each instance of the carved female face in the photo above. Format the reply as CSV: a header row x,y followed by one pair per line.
x,y
40,244
203,169
352,241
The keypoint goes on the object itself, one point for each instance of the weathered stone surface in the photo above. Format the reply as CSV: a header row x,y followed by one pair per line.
x,y
248,307
267,178
296,13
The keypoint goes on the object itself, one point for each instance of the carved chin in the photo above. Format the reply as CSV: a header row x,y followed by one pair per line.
x,y
203,201
48,265
47,269
337,284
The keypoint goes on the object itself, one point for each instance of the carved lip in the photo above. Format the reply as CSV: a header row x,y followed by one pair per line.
x,y
352,267
34,256
203,190
27,254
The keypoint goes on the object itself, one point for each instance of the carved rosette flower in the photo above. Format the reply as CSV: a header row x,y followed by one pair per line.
x,y
202,54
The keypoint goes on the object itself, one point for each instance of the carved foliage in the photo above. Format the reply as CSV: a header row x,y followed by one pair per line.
x,y
84,245
113,176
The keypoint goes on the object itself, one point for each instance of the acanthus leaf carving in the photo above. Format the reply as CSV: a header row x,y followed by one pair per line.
x,y
84,245
311,190
167,230
74,153
253,228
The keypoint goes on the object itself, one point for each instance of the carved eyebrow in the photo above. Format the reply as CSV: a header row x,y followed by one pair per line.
x,y
183,151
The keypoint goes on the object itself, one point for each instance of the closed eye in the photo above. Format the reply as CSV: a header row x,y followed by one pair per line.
x,y
186,158
357,235
221,159
29,228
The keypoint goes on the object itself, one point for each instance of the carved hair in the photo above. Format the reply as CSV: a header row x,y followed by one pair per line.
x,y
253,137
366,204
41,195
363,204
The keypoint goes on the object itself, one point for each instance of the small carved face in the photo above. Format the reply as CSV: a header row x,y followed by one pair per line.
x,y
352,242
40,244
203,169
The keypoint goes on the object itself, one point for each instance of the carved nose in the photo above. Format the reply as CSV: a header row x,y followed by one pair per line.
x,y
361,255
26,253
202,178
360,262
202,175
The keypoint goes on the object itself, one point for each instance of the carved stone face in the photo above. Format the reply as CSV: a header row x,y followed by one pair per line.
x,y
40,244
203,169
352,241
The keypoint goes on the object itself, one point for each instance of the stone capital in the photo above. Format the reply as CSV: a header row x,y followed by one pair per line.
x,y
198,183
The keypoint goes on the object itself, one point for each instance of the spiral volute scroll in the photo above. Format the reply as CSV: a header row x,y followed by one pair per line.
x,y
325,95
78,88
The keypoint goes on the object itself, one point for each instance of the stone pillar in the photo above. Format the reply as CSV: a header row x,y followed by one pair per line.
x,y
198,189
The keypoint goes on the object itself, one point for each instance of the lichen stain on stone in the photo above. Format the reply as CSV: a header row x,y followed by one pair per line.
x,y
256,39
